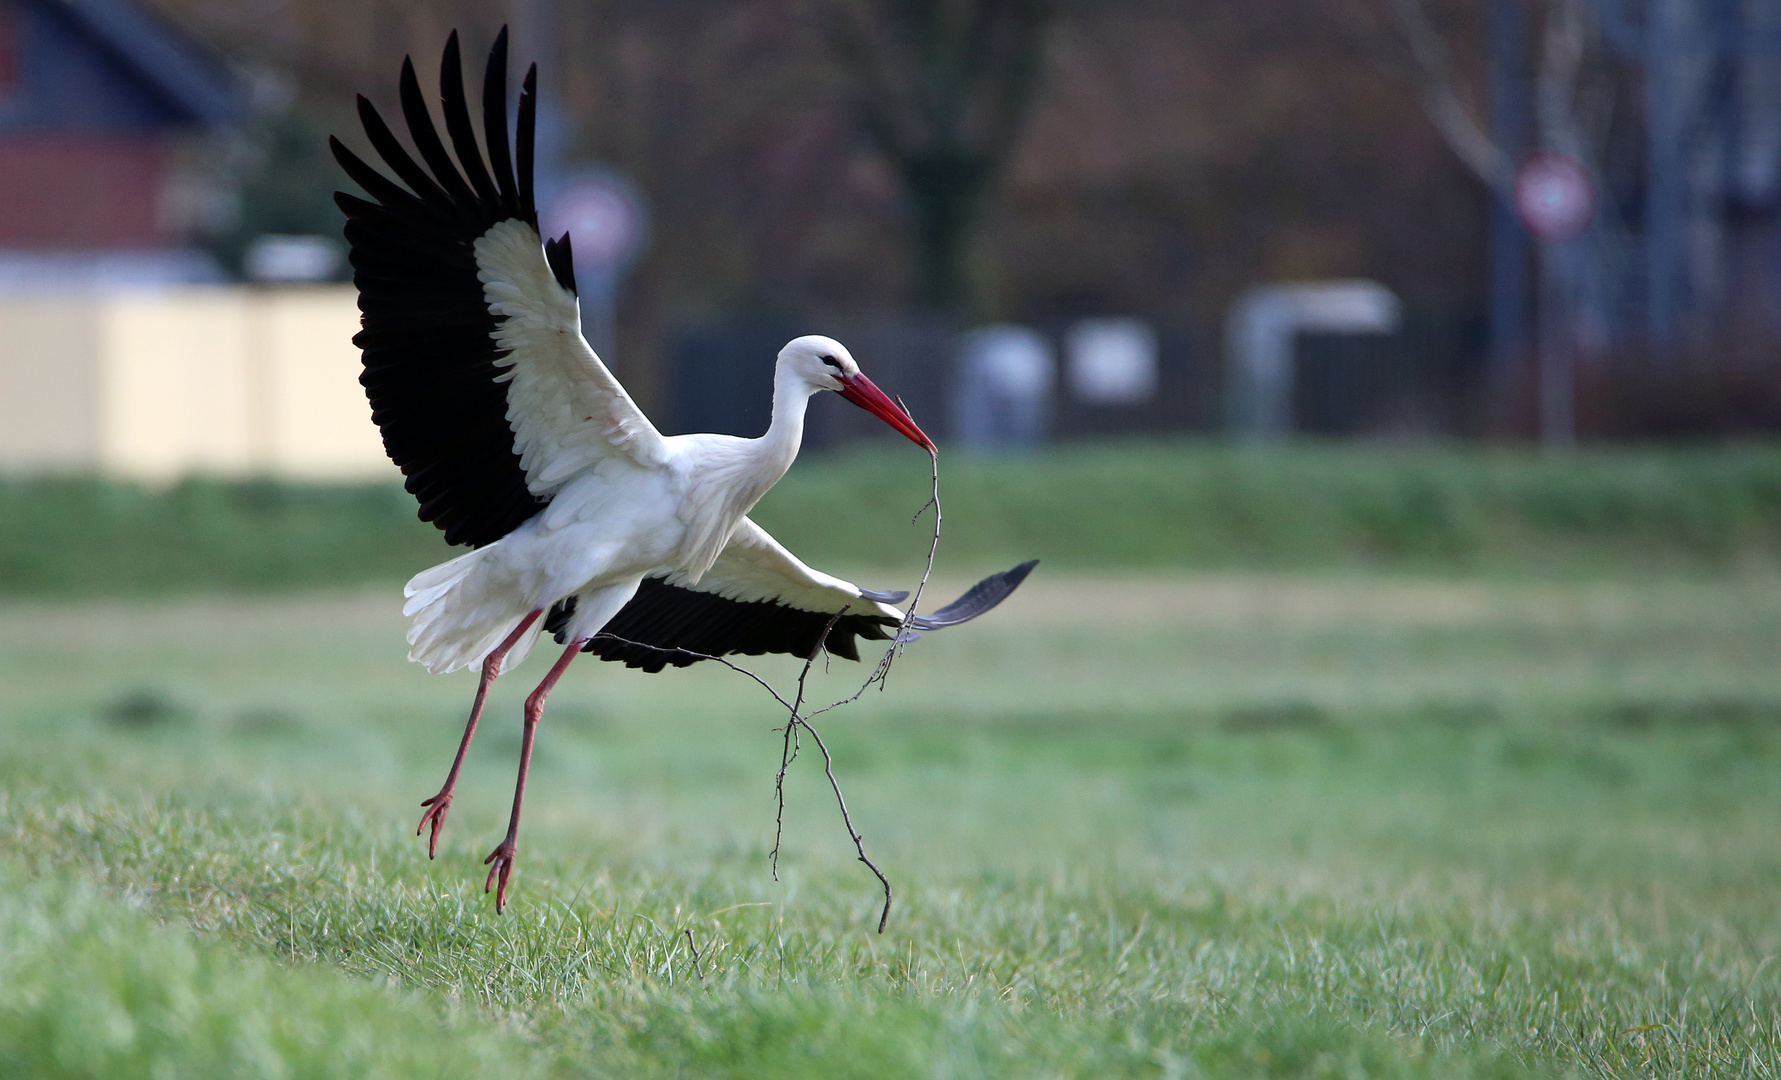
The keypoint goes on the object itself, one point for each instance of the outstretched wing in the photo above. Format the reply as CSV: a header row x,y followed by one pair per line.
x,y
760,598
488,396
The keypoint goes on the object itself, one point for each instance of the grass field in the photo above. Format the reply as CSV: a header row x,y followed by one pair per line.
x,y
1226,825
1181,504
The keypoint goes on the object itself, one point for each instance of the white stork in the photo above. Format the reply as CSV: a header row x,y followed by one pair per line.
x,y
585,521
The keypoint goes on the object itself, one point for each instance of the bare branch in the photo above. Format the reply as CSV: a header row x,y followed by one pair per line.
x,y
1561,62
870,55
901,638
1435,81
796,721
787,754
765,685
789,750
859,845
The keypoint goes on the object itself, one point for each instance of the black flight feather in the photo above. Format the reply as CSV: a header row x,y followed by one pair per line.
x,y
494,124
390,149
458,126
426,138
427,338
667,624
561,258
522,143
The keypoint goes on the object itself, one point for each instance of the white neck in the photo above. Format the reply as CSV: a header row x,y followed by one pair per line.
x,y
735,473
753,466
775,451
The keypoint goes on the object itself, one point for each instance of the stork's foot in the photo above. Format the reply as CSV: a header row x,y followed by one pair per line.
x,y
439,805
500,864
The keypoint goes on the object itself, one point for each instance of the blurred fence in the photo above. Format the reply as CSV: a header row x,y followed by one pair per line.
x,y
259,381
1424,380
721,376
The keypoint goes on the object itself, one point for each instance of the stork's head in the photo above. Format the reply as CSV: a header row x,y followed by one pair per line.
x,y
825,364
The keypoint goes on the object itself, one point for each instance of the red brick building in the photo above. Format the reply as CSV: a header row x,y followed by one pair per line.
x,y
98,98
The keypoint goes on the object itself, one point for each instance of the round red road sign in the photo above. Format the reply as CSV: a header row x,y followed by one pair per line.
x,y
603,215
1553,196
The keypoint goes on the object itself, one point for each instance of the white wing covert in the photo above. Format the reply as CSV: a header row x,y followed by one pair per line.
x,y
566,410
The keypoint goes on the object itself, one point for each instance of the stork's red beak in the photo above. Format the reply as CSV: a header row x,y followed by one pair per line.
x,y
859,390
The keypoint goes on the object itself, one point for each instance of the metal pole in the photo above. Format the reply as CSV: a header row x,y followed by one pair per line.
x,y
1508,240
1558,411
1666,27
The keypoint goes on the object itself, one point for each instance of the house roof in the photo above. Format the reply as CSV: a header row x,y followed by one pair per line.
x,y
183,70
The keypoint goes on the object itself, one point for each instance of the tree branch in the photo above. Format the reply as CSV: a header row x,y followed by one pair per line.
x,y
1433,74
789,752
796,721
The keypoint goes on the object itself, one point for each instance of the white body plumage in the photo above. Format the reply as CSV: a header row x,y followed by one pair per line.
x,y
680,513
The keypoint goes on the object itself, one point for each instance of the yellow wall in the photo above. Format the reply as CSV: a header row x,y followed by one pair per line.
x,y
49,384
154,385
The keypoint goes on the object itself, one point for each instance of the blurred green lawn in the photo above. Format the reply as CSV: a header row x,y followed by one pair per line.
x,y
1151,823
1181,504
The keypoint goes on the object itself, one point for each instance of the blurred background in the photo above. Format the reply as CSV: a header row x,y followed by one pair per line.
x,y
1037,219
1388,387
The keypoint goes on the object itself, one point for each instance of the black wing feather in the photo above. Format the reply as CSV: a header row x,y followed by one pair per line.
x,y
667,624
426,139
561,257
393,197
458,126
390,149
494,124
427,337
522,143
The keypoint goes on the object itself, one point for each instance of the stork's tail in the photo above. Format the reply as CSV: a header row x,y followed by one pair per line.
x,y
458,620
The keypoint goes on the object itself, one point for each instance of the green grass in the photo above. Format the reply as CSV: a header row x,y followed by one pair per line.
x,y
1182,505
1228,825
90,988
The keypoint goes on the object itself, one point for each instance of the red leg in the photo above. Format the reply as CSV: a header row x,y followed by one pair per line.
x,y
502,856
441,803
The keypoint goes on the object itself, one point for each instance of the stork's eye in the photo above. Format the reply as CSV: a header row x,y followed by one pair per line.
x,y
832,362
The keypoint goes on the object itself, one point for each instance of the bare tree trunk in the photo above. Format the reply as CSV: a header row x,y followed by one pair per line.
x,y
941,88
946,194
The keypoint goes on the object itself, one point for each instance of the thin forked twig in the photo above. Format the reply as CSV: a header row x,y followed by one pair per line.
x,y
859,845
797,721
788,753
902,636
789,749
